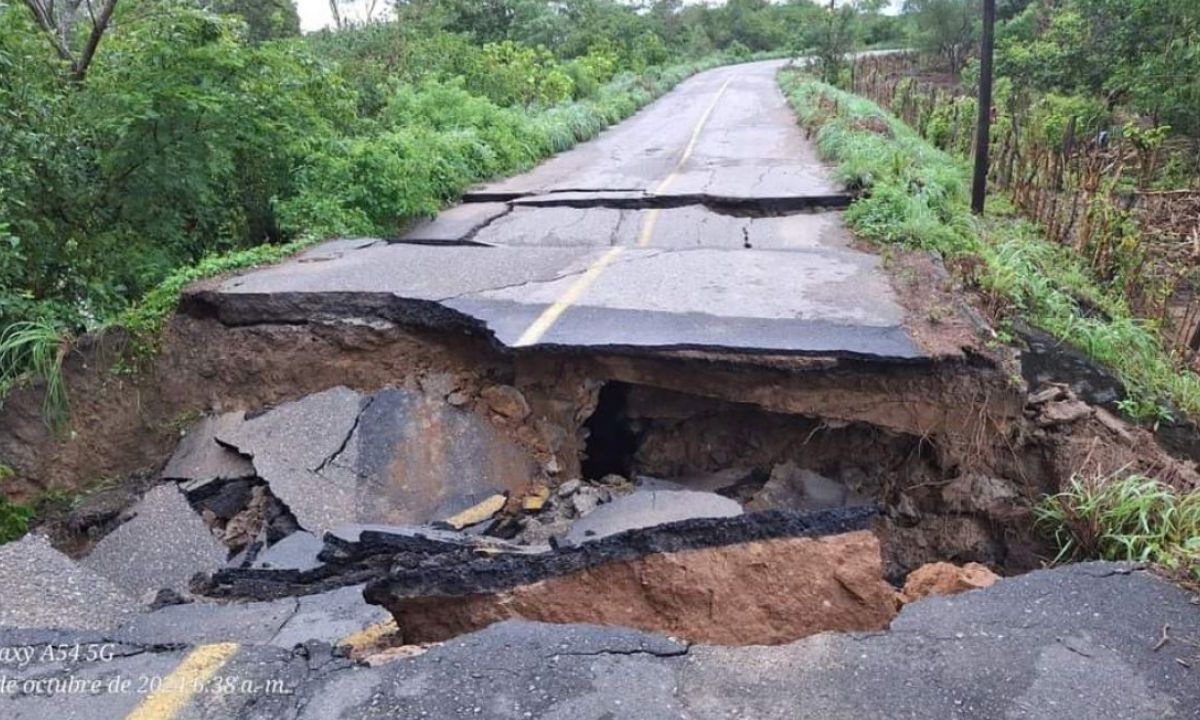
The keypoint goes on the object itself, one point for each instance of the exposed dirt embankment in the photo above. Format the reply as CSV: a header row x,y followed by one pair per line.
x,y
954,449
123,424
755,593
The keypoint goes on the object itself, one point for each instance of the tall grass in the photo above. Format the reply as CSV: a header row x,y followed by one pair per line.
x,y
1125,518
33,351
916,195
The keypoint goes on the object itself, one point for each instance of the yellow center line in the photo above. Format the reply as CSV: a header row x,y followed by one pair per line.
x,y
184,682
536,331
691,146
648,225
551,314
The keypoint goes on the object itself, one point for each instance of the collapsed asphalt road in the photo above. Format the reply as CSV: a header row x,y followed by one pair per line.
x,y
1045,645
651,384
703,222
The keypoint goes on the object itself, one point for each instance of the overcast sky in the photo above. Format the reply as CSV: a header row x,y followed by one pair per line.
x,y
314,14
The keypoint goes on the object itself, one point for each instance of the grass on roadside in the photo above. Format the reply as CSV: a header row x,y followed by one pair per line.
x,y
34,350
917,195
1125,518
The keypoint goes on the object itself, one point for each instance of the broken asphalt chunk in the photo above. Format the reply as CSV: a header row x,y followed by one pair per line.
x,y
42,588
395,457
648,508
162,546
199,459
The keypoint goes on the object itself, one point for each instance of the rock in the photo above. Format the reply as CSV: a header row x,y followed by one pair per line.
x,y
716,481
400,652
975,494
297,551
1063,413
100,509
1048,393
244,527
799,489
478,513
396,457
906,509
438,384
765,592
585,500
199,459
163,546
506,401
42,588
458,399
569,488
167,597
821,493
647,508
942,578
1117,426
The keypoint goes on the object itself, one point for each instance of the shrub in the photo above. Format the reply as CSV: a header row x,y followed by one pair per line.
x,y
14,519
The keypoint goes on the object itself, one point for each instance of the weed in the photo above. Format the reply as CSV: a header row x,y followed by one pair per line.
x,y
33,351
1125,518
14,518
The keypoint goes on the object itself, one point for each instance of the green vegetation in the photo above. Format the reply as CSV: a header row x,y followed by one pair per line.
x,y
14,518
1140,54
1125,518
917,196
35,348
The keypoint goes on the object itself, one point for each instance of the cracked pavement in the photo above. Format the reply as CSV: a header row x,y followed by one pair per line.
x,y
676,229
640,239
1078,641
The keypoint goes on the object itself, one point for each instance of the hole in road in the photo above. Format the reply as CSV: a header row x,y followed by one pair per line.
x,y
611,442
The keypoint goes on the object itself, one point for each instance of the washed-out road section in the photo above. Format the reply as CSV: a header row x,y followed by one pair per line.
x,y
704,222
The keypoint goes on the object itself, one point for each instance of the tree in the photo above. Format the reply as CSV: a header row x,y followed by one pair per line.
x,y
834,42
60,21
945,27
265,19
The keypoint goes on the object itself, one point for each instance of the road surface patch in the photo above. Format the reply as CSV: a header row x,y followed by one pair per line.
x,y
184,682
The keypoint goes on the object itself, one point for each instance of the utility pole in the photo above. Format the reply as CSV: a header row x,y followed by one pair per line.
x,y
983,124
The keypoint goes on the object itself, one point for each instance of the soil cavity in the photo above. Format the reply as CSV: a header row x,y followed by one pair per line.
x,y
611,441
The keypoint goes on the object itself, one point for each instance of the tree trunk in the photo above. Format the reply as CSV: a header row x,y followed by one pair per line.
x,y
99,26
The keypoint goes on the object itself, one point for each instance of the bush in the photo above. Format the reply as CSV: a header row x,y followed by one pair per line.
x,y
14,518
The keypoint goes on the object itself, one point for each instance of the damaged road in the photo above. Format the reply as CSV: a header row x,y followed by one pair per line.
x,y
722,234
641,433
1024,648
